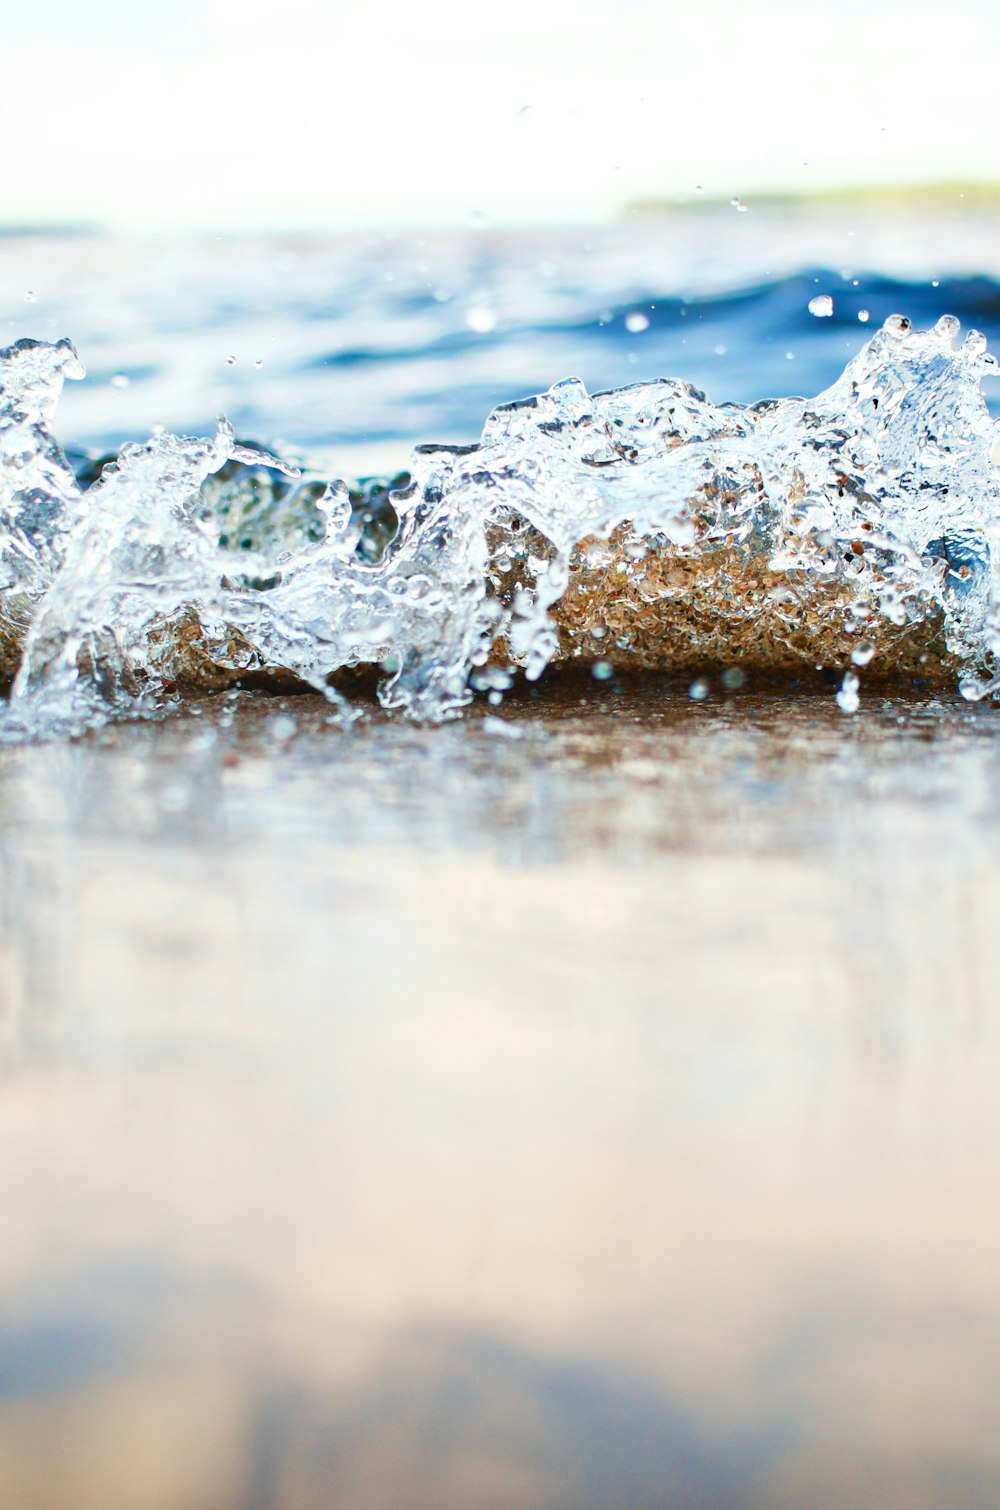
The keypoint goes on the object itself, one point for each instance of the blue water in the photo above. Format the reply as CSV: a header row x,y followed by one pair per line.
x,y
363,346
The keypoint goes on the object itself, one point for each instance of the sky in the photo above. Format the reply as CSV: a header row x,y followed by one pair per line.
x,y
324,114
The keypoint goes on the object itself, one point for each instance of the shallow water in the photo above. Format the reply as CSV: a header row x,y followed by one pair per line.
x,y
588,1101
589,1105
643,527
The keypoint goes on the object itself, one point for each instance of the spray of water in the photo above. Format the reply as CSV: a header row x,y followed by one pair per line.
x,y
642,528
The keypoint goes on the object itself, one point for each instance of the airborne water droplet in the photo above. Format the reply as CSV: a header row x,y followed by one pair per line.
x,y
847,697
602,671
862,652
635,321
698,690
821,306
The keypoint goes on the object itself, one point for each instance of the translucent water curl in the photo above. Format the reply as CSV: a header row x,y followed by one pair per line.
x,y
640,528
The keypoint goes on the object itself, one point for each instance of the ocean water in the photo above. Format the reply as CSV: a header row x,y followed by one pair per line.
x,y
485,1023
356,349
681,444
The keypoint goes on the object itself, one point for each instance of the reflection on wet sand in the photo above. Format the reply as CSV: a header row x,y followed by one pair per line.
x,y
586,1106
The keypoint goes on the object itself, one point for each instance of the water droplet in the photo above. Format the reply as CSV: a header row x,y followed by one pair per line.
x,y
821,306
935,283
495,698
698,189
897,325
635,321
733,678
602,671
30,296
847,698
336,505
698,690
720,350
259,363
864,316
789,356
119,380
738,205
948,327
480,318
970,689
230,361
496,678
862,652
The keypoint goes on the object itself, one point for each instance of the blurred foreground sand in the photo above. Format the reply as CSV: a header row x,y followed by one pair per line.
x,y
592,1103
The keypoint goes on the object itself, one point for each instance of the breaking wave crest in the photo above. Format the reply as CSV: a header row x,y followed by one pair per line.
x,y
644,528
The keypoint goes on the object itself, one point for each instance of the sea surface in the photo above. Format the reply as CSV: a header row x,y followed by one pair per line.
x,y
360,347
584,1099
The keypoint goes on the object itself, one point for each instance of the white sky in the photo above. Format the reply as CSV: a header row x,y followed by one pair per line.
x,y
322,113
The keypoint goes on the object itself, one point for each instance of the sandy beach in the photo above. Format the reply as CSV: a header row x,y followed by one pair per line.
x,y
589,1101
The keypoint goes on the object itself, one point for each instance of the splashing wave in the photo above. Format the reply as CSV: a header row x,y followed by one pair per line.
x,y
644,528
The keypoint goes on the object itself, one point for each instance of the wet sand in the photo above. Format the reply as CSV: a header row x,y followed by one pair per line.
x,y
590,1103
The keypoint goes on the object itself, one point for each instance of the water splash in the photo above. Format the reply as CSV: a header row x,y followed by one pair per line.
x,y
641,528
